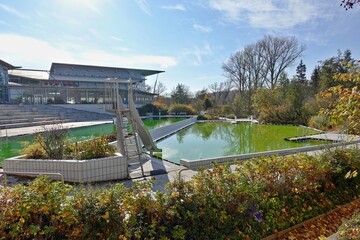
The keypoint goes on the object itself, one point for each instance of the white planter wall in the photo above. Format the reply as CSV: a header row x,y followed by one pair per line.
x,y
93,170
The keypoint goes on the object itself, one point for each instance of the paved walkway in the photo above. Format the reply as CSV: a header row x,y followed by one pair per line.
x,y
332,136
162,171
31,130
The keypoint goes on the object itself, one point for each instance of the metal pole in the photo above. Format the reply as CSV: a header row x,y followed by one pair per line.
x,y
119,123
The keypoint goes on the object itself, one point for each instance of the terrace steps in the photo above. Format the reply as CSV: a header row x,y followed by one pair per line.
x,y
17,116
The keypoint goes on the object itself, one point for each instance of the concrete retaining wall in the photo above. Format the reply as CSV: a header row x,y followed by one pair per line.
x,y
82,171
207,162
97,108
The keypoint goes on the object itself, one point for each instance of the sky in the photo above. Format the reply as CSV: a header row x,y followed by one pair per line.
x,y
188,39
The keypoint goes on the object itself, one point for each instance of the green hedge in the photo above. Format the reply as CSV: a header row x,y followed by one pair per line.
x,y
256,199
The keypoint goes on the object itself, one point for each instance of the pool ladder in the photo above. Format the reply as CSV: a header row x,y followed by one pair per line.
x,y
129,146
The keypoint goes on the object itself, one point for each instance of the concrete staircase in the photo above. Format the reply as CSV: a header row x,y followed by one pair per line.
x,y
16,116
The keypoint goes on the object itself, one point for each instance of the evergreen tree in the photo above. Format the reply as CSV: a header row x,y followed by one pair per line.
x,y
301,73
315,78
181,94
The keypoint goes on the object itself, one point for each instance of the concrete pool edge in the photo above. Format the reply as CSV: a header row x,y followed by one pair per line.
x,y
77,171
160,133
25,131
207,162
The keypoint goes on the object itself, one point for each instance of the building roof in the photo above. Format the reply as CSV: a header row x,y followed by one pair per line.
x,y
30,73
82,73
142,72
7,65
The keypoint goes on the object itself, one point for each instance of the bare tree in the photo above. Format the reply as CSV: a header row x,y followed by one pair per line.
x,y
278,54
220,91
246,71
159,88
255,66
235,70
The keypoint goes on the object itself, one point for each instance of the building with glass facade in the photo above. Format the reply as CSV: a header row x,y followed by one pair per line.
x,y
4,81
71,83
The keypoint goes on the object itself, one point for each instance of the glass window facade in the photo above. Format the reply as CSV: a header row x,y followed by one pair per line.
x,y
71,83
3,85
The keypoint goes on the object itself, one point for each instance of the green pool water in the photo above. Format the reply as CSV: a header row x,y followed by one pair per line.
x,y
213,139
12,147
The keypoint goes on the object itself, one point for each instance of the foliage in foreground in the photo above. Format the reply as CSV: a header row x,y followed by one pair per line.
x,y
350,229
258,198
343,109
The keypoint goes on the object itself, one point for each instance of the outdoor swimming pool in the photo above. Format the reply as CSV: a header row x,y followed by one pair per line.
x,y
201,140
216,139
11,147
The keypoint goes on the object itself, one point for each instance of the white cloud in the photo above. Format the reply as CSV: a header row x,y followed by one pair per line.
x,y
96,57
34,53
202,28
178,7
69,20
4,23
12,11
269,14
123,49
115,38
198,53
30,52
92,5
95,33
143,5
318,40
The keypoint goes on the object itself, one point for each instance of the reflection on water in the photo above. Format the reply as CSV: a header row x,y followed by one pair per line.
x,y
156,122
206,140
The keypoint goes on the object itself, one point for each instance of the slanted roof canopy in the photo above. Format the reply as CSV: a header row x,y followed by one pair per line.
x,y
7,65
142,72
30,73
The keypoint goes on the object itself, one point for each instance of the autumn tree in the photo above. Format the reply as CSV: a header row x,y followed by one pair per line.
x,y
202,100
344,107
331,66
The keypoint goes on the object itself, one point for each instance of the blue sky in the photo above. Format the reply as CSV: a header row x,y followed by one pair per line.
x,y
188,39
